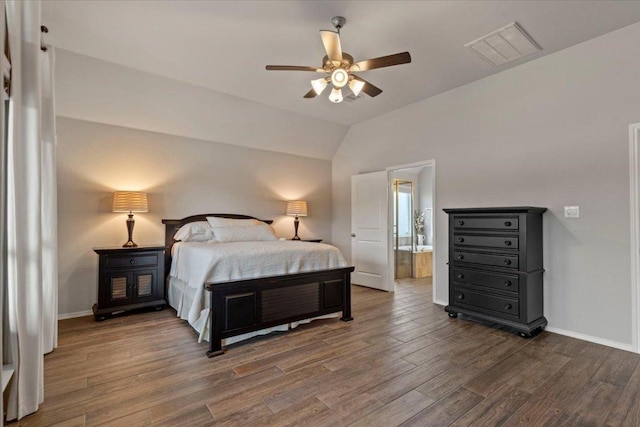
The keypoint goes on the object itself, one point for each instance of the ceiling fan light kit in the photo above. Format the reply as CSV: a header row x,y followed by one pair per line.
x,y
340,66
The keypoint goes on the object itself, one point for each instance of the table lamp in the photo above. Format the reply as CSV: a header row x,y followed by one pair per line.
x,y
130,201
296,208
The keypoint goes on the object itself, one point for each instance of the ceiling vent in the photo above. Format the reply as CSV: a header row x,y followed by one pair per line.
x,y
504,45
352,97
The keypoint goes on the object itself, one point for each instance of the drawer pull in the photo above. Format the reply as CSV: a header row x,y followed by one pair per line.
x,y
460,256
507,223
507,262
460,239
507,242
507,283
460,296
460,276
460,222
507,306
132,261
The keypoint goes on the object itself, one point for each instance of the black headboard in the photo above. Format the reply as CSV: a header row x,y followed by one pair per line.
x,y
172,225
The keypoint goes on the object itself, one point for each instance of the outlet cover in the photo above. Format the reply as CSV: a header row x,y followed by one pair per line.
x,y
572,211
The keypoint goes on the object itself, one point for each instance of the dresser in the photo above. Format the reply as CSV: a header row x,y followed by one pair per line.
x,y
129,278
495,266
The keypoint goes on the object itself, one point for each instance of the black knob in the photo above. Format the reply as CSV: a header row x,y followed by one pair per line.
x,y
460,296
507,223
460,222
507,306
507,282
507,242
460,256
507,262
460,239
132,261
460,276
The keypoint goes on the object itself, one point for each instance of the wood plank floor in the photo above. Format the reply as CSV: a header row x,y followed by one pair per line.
x,y
402,361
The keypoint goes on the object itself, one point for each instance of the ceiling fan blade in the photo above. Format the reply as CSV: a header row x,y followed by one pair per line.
x,y
368,88
293,68
383,61
311,94
331,41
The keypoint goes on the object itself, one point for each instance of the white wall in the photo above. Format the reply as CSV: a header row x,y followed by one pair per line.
x,y
552,132
183,177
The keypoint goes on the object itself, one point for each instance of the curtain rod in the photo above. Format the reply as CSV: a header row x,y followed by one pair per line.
x,y
45,30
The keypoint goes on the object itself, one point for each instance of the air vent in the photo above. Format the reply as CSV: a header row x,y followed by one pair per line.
x,y
352,98
504,45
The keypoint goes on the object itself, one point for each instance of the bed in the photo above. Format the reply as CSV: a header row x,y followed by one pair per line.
x,y
241,303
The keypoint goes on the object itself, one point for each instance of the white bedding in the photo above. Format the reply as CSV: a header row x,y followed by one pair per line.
x,y
196,263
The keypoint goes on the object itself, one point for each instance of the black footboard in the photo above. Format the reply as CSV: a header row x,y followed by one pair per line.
x,y
243,306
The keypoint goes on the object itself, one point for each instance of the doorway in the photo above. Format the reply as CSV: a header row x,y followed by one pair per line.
x,y
411,207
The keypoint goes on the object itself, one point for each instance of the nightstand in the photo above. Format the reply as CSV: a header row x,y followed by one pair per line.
x,y
307,240
129,278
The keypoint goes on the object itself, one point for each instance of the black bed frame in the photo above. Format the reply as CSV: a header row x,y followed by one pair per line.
x,y
242,306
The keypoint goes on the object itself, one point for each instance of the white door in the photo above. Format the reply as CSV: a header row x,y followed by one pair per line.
x,y
369,222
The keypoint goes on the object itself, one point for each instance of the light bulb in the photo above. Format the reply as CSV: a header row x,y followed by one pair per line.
x,y
335,95
339,77
356,86
319,85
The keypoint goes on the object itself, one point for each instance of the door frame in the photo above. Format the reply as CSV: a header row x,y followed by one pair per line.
x,y
634,181
390,252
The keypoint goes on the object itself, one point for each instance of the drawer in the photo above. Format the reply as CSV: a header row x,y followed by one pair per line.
x,y
506,261
490,223
488,241
497,304
505,282
131,260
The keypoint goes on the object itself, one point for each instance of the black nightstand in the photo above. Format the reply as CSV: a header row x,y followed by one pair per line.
x,y
129,278
307,240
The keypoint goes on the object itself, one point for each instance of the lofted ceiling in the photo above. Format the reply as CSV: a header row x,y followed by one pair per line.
x,y
225,45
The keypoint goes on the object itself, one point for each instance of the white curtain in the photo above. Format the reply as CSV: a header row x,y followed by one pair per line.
x,y
31,209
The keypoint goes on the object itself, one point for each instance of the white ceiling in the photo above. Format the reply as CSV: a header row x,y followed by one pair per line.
x,y
225,45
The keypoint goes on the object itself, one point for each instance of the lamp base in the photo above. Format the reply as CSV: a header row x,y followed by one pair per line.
x,y
296,222
130,224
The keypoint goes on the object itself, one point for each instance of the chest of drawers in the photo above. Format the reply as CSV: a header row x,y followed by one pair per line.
x,y
495,266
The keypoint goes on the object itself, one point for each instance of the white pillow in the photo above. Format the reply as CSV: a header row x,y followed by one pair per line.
x,y
245,233
215,221
199,231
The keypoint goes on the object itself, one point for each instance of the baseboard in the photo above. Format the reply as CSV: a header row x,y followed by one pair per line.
x,y
595,340
583,337
74,315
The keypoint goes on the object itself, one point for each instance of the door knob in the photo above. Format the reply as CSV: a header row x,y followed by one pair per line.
x,y
353,235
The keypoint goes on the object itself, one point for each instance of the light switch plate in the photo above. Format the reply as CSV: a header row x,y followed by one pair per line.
x,y
572,211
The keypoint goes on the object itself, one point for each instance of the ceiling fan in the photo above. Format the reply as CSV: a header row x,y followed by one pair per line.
x,y
339,67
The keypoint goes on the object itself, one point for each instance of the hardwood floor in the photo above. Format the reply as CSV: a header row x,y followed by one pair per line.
x,y
402,361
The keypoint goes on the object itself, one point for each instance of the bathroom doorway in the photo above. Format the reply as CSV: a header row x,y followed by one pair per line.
x,y
411,212
403,230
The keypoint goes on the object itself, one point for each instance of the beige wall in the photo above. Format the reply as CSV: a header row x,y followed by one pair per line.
x,y
103,92
553,132
183,177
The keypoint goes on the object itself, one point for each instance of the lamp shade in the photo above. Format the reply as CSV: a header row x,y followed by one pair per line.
x,y
335,95
130,201
297,208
